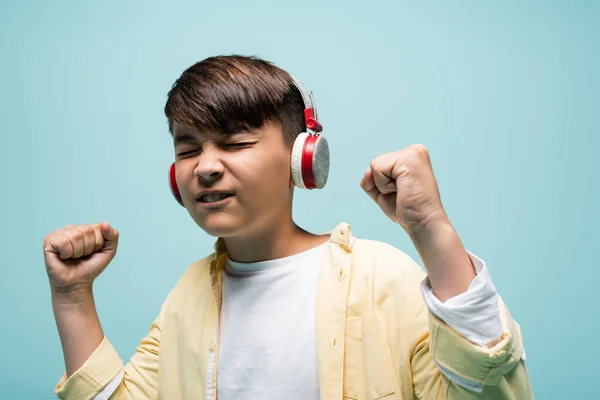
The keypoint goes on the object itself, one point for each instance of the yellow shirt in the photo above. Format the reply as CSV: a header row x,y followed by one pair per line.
x,y
375,337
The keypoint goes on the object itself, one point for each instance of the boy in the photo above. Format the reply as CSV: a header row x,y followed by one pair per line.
x,y
278,312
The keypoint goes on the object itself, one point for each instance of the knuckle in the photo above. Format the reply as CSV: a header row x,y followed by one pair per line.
x,y
375,163
76,235
420,149
63,242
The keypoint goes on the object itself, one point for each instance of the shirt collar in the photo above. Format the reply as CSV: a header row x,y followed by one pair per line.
x,y
340,235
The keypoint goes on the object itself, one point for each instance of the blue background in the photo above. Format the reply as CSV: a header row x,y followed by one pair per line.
x,y
505,96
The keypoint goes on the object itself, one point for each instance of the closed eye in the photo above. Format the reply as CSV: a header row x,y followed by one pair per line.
x,y
187,153
239,145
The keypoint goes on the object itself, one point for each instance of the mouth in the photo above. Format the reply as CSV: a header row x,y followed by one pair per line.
x,y
213,198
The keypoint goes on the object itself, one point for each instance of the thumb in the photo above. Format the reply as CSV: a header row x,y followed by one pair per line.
x,y
109,233
368,185
367,182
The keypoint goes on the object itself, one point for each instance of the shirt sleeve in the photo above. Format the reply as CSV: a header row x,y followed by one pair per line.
x,y
447,366
103,375
93,376
477,316
473,314
111,387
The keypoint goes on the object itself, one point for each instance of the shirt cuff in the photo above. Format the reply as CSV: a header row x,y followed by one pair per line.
x,y
111,387
96,372
474,314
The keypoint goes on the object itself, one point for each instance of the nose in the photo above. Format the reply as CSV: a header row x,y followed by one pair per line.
x,y
209,168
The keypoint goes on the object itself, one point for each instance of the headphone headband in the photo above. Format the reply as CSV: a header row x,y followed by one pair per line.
x,y
310,108
310,152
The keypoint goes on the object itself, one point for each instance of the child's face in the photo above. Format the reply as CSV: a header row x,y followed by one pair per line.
x,y
251,168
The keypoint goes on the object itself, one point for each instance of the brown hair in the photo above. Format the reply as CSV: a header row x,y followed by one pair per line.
x,y
231,93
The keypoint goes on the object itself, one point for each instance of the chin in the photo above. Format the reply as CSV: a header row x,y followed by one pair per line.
x,y
220,225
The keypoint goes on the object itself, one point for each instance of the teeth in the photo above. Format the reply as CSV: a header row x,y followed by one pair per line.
x,y
212,198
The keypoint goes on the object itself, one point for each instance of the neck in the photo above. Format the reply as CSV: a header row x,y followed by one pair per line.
x,y
277,241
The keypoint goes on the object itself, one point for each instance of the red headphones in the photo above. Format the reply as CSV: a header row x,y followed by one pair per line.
x,y
310,153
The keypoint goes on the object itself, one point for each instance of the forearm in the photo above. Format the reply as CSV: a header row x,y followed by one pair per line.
x,y
446,260
78,326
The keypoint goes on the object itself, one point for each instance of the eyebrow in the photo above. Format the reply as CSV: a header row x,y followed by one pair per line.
x,y
187,138
184,138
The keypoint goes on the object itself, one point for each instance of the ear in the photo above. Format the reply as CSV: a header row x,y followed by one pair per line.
x,y
292,184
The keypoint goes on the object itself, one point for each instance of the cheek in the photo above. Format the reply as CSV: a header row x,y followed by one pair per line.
x,y
183,172
278,169
269,164
264,172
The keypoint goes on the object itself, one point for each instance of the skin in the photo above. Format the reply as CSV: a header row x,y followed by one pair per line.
x,y
403,185
74,257
255,222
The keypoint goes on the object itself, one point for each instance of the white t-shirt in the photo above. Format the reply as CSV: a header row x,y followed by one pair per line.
x,y
268,344
268,347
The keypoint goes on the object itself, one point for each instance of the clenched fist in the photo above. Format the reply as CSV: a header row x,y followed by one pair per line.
x,y
76,255
402,183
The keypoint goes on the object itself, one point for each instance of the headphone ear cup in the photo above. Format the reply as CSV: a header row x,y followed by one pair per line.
x,y
320,162
310,161
297,159
173,185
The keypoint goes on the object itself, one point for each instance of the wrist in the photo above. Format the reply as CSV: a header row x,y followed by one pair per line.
x,y
436,224
447,262
76,295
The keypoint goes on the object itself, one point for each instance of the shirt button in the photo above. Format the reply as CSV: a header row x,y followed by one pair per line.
x,y
212,345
